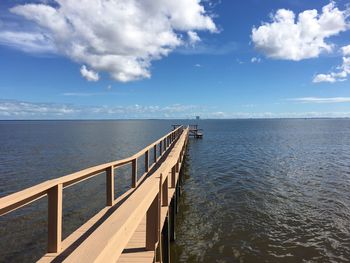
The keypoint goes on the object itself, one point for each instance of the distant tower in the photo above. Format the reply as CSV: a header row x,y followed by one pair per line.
x,y
197,117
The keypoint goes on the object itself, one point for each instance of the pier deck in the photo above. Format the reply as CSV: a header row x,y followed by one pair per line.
x,y
133,227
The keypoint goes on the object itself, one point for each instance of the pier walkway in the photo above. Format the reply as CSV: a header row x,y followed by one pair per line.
x,y
134,227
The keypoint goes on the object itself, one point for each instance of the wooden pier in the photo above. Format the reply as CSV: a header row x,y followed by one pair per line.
x,y
194,131
134,227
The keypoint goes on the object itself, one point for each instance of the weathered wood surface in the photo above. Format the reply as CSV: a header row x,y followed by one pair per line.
x,y
120,231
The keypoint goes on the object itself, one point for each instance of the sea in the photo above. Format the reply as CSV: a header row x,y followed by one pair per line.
x,y
254,190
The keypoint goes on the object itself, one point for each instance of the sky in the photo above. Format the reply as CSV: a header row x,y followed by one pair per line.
x,y
122,59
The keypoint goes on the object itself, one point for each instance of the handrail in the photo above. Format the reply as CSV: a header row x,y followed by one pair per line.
x,y
32,193
53,188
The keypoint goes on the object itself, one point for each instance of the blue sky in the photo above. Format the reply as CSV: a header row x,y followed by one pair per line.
x,y
207,62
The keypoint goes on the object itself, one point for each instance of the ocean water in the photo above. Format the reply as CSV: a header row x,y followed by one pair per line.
x,y
254,190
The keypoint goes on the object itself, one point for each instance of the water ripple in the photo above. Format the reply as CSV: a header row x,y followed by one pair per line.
x,y
267,191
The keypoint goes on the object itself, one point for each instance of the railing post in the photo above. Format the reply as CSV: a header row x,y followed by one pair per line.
x,y
165,192
155,153
146,161
134,173
166,240
173,176
153,221
160,148
110,186
172,216
54,195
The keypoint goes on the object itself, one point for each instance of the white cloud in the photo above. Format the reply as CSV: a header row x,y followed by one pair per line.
x,y
291,38
29,110
324,78
346,65
27,41
193,37
341,74
20,109
119,37
346,50
322,100
11,109
89,75
255,60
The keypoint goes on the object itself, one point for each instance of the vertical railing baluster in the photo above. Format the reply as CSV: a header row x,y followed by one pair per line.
x,y
110,186
146,161
54,195
155,153
153,220
173,176
134,173
165,192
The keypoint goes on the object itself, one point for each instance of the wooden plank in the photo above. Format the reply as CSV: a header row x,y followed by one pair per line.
x,y
108,241
83,230
135,251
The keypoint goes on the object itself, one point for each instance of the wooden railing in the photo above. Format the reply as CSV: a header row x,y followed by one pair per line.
x,y
150,199
54,188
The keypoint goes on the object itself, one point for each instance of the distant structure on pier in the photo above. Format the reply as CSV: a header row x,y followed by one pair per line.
x,y
194,131
198,117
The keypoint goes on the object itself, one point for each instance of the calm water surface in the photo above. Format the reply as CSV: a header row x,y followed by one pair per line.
x,y
254,190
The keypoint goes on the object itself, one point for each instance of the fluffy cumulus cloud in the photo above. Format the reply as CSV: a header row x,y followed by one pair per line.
x,y
341,72
292,37
119,37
